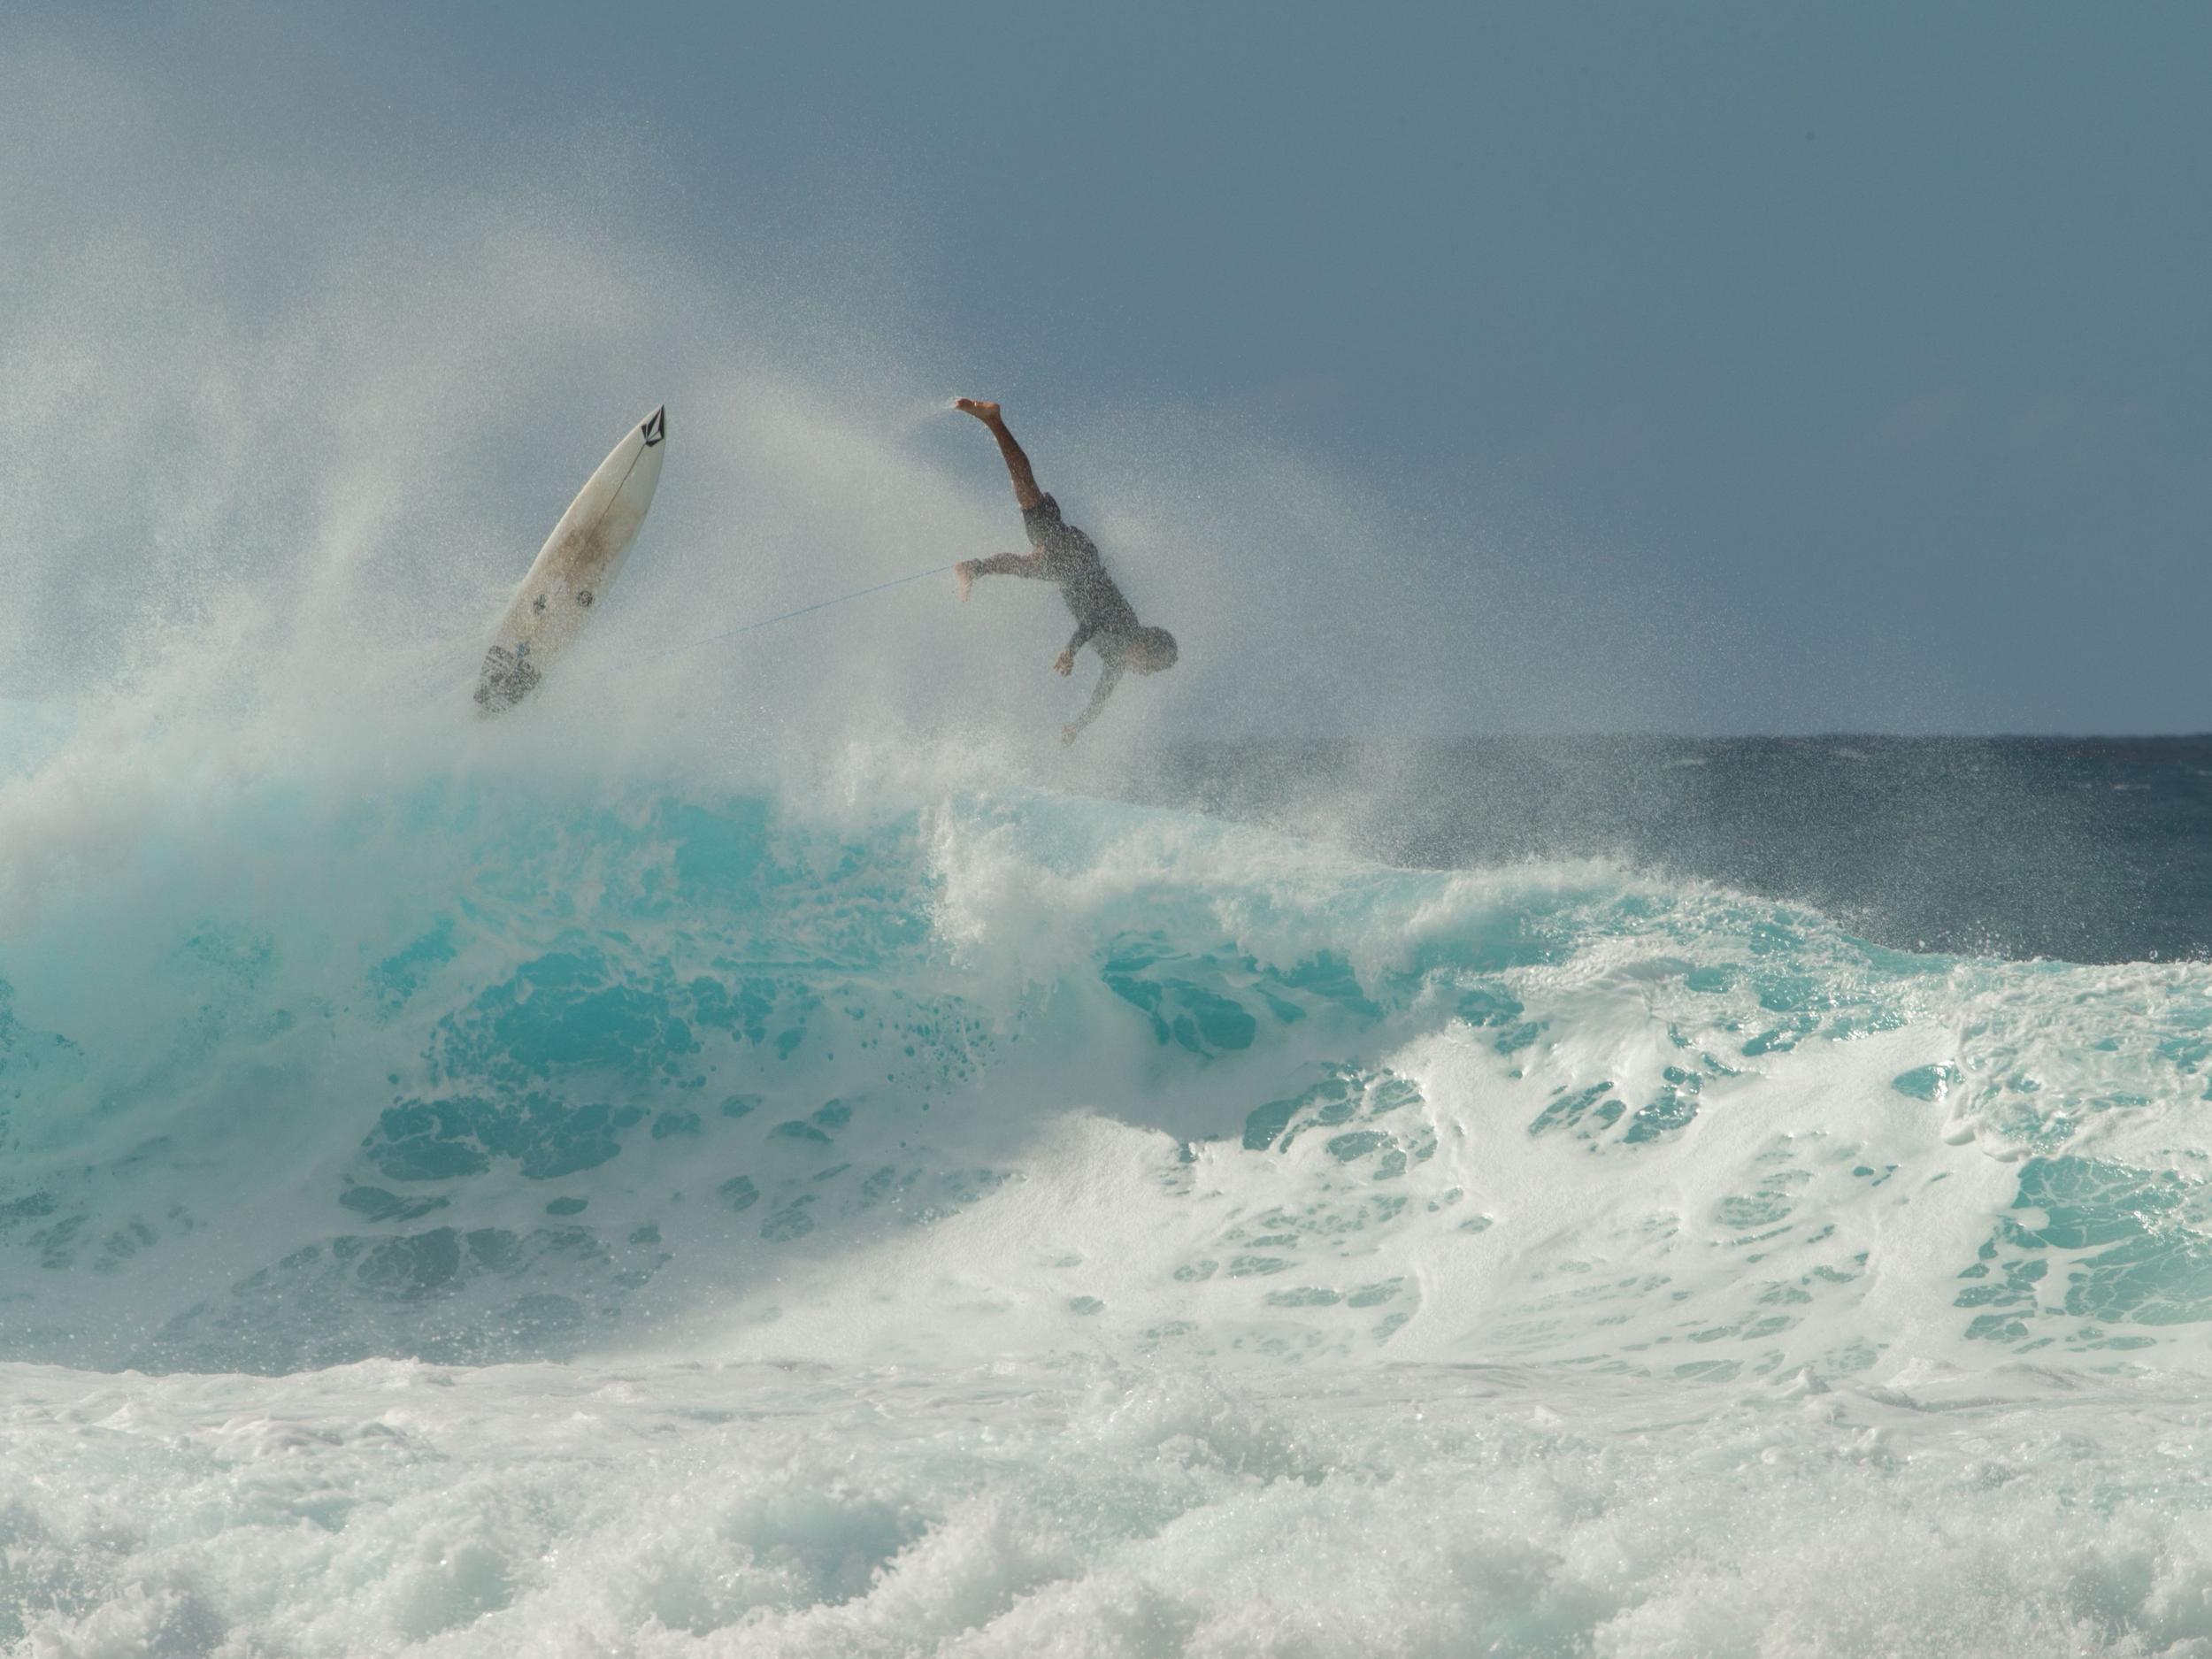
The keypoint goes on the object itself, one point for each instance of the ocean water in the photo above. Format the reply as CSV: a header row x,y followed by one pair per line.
x,y
1633,1199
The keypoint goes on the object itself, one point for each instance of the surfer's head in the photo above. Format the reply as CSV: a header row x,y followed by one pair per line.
x,y
1149,650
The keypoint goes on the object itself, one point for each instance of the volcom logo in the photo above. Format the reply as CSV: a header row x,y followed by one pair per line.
x,y
655,427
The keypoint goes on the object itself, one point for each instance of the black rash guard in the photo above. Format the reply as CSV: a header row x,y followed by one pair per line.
x,y
1103,618
1069,558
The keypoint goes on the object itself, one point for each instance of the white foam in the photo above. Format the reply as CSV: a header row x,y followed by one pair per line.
x,y
1096,1508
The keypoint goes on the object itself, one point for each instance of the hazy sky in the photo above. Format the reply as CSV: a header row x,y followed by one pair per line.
x,y
1871,339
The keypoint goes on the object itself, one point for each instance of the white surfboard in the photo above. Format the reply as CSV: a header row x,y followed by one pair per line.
x,y
574,568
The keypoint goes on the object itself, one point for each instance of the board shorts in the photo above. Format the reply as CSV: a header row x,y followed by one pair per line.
x,y
1050,534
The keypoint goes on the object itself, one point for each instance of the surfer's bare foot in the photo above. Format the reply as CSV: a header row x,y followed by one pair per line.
x,y
1064,664
963,572
1026,495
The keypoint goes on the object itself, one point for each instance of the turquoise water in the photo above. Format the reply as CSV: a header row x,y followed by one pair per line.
x,y
465,1075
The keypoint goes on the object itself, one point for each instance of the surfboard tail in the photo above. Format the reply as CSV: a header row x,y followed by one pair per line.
x,y
508,677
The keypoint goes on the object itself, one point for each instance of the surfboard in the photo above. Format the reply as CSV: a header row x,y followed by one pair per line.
x,y
574,568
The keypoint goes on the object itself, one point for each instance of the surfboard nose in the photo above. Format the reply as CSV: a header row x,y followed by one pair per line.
x,y
655,427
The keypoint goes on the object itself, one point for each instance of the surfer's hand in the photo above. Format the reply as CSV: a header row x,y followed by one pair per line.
x,y
963,572
1065,665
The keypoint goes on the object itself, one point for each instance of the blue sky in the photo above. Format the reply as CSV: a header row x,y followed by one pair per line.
x,y
1865,344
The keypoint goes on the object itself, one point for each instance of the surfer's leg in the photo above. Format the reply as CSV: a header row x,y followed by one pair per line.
x,y
1000,564
997,564
1026,495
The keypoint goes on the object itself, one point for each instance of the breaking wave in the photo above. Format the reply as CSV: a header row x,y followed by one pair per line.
x,y
471,1069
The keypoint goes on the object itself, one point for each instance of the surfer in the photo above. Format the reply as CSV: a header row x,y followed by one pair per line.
x,y
1061,553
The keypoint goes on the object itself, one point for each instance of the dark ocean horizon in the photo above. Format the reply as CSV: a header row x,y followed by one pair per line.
x,y
2083,850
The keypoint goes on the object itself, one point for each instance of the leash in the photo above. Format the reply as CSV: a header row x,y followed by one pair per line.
x,y
819,604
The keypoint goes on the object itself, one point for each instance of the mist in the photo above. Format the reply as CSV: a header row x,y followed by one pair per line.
x,y
292,417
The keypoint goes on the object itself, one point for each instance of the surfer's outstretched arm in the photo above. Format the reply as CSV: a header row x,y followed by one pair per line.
x,y
1026,495
1104,689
